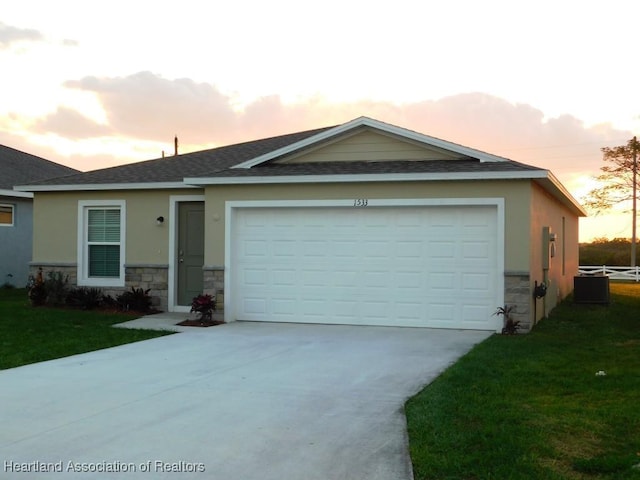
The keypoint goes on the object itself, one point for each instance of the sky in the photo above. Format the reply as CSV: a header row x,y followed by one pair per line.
x,y
546,82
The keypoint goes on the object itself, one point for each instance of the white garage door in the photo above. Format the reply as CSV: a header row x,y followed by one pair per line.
x,y
426,266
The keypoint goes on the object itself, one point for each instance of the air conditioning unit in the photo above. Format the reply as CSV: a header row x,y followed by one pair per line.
x,y
591,289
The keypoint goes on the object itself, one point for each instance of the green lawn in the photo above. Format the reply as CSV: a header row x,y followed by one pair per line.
x,y
30,335
532,407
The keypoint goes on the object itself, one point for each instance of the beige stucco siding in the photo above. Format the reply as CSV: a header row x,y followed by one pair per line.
x,y
56,224
369,146
546,211
516,195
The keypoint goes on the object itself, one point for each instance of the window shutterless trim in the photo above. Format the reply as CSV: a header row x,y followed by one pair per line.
x,y
83,243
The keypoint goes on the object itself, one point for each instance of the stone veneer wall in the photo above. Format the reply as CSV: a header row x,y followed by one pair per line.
x,y
69,270
517,292
154,278
213,284
149,277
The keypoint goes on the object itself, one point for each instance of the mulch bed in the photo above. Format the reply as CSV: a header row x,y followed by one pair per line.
x,y
199,323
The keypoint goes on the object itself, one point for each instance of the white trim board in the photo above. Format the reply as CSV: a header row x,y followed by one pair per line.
x,y
369,177
13,193
102,186
83,278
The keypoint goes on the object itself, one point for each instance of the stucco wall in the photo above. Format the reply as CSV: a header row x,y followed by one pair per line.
x,y
56,224
516,194
546,211
527,209
15,242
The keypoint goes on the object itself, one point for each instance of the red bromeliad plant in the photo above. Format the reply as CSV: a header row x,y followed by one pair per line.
x,y
204,305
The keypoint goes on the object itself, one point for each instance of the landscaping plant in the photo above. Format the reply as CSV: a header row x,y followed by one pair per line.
x,y
204,305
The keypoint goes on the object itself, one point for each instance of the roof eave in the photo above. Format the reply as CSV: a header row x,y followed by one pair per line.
x,y
367,177
103,186
13,193
552,185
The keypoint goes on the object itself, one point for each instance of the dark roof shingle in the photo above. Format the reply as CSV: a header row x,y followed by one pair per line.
x,y
377,167
175,168
218,163
19,168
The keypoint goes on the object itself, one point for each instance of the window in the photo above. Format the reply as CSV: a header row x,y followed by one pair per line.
x,y
6,215
101,236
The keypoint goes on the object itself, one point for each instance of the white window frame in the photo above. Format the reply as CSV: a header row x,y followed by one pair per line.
x,y
13,215
83,245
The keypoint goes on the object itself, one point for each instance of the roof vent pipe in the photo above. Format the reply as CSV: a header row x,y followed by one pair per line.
x,y
175,145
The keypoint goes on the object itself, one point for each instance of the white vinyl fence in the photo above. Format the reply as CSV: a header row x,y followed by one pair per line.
x,y
615,273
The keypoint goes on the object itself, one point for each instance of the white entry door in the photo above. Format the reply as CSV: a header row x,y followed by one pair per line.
x,y
419,266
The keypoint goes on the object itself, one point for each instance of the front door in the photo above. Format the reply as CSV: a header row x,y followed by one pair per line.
x,y
190,252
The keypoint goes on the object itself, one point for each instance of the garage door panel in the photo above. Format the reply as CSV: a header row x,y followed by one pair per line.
x,y
284,277
284,307
345,249
475,313
345,278
441,249
413,281
411,266
253,306
475,282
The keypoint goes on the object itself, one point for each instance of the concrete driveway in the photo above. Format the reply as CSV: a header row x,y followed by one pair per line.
x,y
238,401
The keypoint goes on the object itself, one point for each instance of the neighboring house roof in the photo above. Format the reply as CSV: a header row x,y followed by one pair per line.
x,y
18,168
265,161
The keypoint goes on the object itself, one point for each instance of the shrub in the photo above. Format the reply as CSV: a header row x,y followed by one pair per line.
x,y
56,287
85,298
137,299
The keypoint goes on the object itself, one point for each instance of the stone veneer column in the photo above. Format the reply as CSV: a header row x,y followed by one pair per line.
x,y
517,292
213,284
154,278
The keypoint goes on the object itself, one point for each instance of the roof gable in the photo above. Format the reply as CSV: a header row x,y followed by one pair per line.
x,y
366,144
326,136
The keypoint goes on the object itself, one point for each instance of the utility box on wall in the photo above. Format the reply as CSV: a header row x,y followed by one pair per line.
x,y
591,289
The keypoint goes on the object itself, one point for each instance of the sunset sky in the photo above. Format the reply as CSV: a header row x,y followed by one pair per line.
x,y
96,84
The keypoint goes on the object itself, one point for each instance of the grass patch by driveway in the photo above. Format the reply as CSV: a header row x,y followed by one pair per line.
x,y
30,335
532,406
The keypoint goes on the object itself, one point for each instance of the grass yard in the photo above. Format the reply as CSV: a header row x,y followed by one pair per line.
x,y
532,407
30,335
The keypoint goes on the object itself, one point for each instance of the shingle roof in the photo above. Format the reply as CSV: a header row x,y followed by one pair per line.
x,y
377,167
18,168
220,162
175,168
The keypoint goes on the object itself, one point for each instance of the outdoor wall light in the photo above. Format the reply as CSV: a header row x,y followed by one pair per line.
x,y
160,220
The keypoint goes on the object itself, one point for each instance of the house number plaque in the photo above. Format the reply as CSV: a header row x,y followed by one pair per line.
x,y
360,202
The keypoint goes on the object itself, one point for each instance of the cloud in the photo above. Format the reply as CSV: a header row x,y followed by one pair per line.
x,y
149,106
9,35
145,107
71,124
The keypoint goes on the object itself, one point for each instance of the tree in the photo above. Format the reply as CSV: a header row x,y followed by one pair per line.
x,y
620,184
